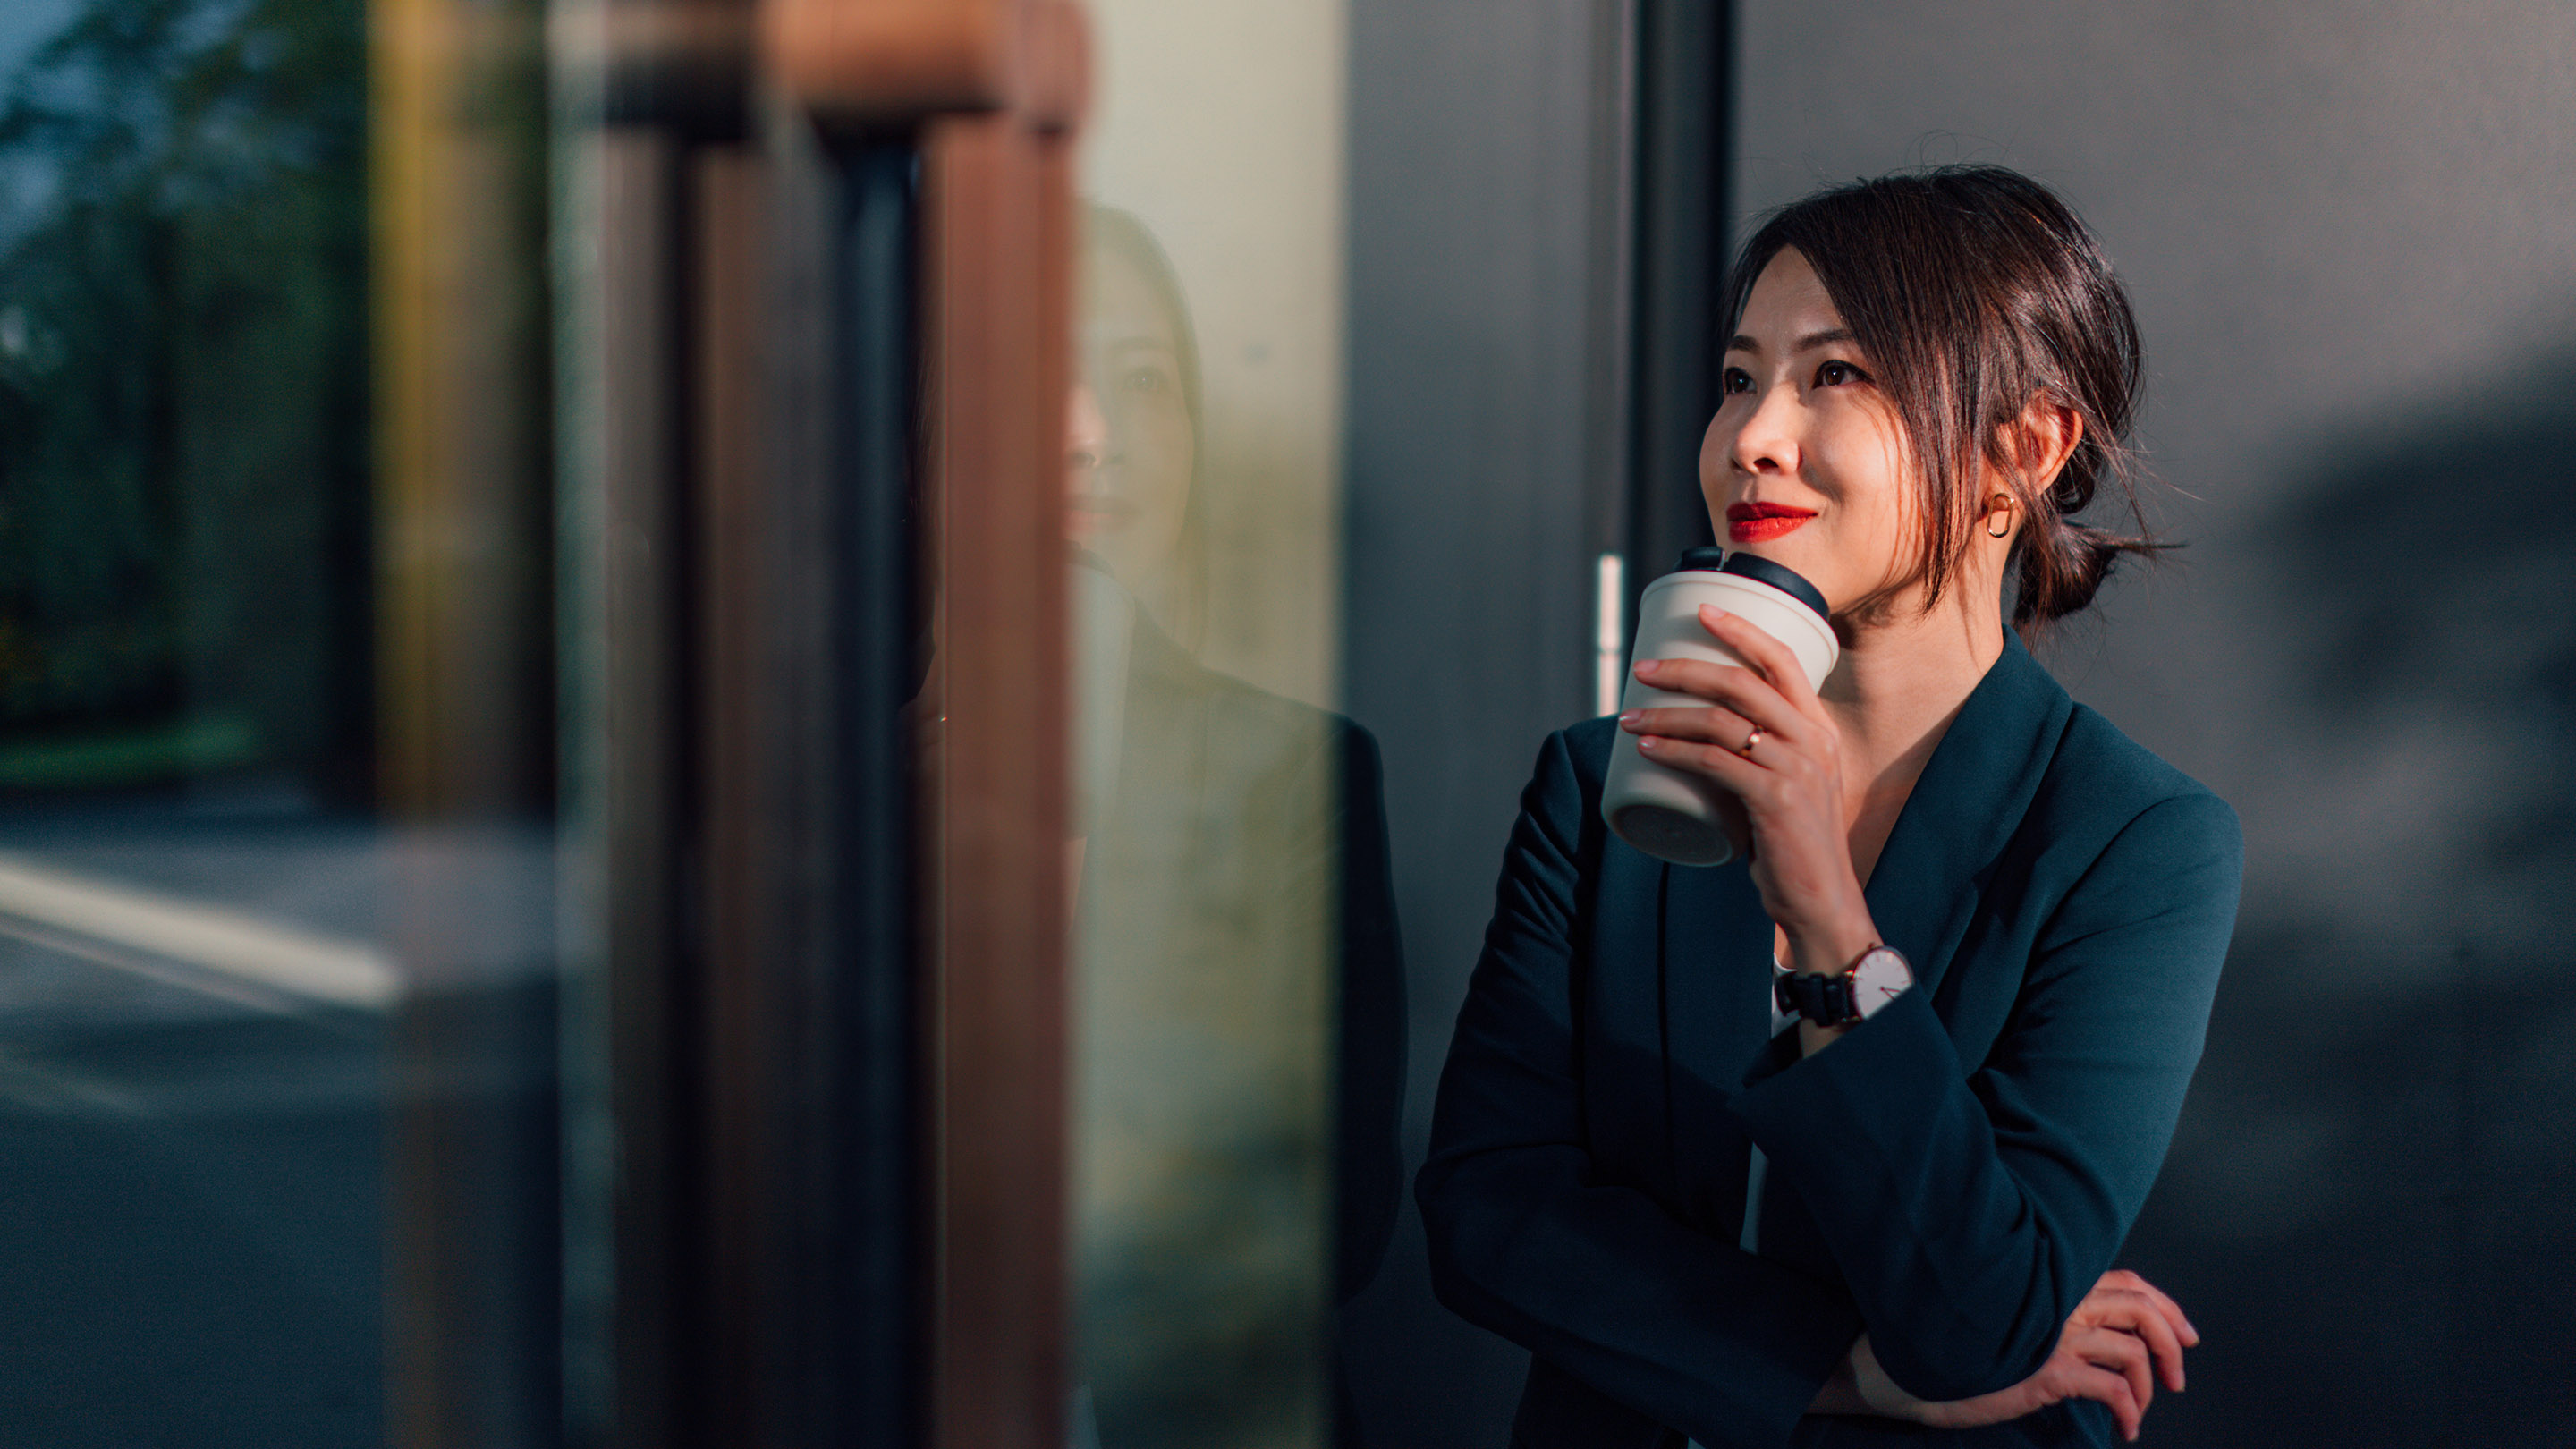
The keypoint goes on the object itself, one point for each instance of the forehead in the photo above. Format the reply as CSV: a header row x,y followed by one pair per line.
x,y
1120,304
1788,302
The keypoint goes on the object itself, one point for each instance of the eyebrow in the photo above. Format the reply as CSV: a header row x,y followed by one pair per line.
x,y
1741,343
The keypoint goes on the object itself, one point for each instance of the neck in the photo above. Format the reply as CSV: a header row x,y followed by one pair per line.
x,y
1898,686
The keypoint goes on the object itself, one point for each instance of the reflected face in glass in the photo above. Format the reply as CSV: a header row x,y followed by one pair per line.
x,y
1130,446
1806,461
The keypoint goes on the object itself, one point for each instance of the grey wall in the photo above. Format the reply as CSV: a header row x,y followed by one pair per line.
x,y
1473,456
2350,233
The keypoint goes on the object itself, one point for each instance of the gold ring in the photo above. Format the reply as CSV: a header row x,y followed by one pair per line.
x,y
1755,738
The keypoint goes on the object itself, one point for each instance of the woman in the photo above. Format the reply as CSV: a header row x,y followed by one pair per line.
x,y
1239,994
1903,1209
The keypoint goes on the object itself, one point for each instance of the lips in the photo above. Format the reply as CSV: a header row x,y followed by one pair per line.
x,y
1757,522
1095,511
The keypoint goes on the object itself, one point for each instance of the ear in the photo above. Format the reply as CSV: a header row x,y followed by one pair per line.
x,y
2046,436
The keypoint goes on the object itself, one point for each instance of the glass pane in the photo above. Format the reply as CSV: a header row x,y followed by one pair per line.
x,y
276,923
1235,958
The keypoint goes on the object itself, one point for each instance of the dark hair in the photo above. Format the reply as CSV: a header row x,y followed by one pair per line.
x,y
1975,289
1110,232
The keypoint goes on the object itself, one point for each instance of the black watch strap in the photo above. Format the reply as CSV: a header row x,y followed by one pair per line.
x,y
1824,1000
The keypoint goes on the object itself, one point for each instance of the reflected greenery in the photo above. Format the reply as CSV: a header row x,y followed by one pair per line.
x,y
183,396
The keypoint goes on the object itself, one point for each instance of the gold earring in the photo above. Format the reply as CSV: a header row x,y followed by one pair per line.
x,y
2004,514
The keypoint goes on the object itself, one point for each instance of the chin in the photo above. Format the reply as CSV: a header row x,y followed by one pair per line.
x,y
1790,552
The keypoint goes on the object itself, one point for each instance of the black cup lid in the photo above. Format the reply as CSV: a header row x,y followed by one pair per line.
x,y
1760,570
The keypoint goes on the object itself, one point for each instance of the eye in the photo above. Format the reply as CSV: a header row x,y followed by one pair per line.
x,y
1735,380
1837,373
1142,379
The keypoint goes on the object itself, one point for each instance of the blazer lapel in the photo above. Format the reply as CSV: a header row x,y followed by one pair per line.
x,y
1955,825
1715,964
1713,946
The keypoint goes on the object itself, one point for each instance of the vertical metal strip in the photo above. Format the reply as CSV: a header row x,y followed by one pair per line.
x,y
1683,131
642,728
882,1302
727,204
1610,279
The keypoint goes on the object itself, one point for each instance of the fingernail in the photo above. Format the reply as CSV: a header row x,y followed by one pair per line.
x,y
1646,668
1632,716
1649,743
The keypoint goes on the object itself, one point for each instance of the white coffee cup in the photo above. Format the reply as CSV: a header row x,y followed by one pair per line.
x,y
1673,814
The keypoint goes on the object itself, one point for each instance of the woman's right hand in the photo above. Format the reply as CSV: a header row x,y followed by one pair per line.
x,y
2120,1339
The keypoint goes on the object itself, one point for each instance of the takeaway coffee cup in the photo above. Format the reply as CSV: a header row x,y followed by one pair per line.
x,y
1672,814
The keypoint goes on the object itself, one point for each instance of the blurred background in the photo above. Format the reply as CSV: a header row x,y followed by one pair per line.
x,y
492,624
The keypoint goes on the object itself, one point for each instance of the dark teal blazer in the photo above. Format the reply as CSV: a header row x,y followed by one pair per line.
x,y
1951,1177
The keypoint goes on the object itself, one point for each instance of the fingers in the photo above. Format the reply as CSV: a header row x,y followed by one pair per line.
x,y
2111,1391
2120,1353
1725,765
2162,1344
1744,691
1698,724
2124,1299
2171,1311
1764,653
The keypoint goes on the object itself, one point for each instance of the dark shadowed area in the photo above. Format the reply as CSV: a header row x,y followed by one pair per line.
x,y
2377,1155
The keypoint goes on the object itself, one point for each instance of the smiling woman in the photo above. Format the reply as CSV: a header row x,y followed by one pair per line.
x,y
1974,325
1994,923
1133,442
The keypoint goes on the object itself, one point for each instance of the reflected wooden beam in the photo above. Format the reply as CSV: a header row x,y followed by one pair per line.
x,y
998,86
999,213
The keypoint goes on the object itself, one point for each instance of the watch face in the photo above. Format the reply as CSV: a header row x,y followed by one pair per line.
x,y
1877,979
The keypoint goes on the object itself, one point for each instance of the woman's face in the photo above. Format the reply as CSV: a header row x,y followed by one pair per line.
x,y
1129,448
1805,463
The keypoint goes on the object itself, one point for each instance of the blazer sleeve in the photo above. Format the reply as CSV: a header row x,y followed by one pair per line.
x,y
1369,1058
1525,1239
1969,1213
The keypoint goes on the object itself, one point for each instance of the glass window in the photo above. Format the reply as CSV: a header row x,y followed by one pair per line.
x,y
276,748
1236,996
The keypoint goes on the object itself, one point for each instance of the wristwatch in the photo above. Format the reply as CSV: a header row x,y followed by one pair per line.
x,y
1855,995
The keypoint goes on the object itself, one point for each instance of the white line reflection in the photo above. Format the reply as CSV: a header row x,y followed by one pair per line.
x,y
1610,635
209,937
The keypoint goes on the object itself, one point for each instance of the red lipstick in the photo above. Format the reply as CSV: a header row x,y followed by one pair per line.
x,y
1757,522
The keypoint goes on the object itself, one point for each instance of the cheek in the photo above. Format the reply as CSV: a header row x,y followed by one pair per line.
x,y
1163,452
1714,446
1869,471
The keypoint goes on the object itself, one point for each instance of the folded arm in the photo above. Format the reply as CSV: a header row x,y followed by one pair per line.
x,y
1969,1214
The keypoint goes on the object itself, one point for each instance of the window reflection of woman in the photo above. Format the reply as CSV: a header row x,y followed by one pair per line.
x,y
1238,982
1897,1215
1132,437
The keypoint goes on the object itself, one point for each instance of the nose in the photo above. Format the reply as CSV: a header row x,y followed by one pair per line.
x,y
1086,432
1767,443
